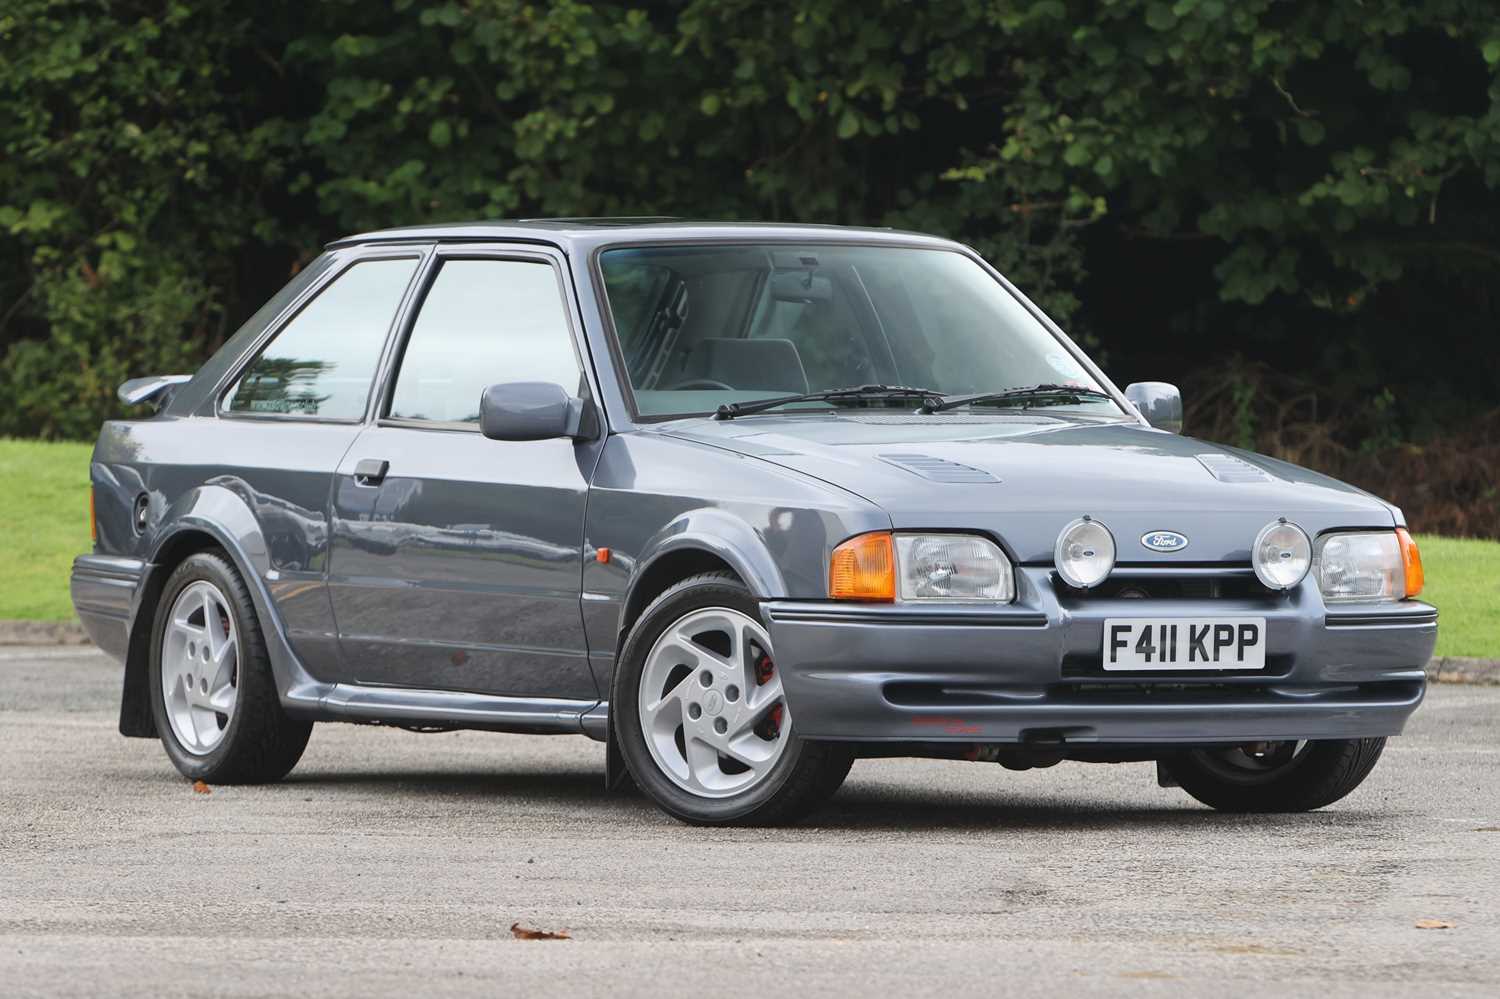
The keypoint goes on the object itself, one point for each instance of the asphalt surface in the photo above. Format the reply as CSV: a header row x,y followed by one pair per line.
x,y
396,863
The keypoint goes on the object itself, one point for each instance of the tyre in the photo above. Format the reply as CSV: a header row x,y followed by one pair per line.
x,y
212,692
701,717
1275,776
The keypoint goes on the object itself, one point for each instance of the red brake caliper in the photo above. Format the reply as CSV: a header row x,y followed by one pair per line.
x,y
770,726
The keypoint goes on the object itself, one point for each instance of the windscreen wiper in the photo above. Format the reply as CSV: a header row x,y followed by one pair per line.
x,y
729,411
1032,395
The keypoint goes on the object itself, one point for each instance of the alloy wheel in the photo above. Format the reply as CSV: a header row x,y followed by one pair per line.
x,y
200,667
711,703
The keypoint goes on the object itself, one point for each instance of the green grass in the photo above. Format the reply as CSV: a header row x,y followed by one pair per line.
x,y
46,523
1463,580
43,524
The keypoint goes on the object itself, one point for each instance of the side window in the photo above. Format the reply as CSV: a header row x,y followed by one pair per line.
x,y
323,361
483,322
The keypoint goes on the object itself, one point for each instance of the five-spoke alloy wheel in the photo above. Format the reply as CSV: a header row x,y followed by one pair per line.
x,y
214,700
200,667
701,716
711,705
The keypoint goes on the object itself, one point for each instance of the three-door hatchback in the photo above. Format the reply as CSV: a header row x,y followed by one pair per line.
x,y
747,503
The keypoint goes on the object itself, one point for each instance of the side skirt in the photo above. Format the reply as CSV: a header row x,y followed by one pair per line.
x,y
456,709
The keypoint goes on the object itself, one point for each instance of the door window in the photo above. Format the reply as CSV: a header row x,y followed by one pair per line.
x,y
483,322
321,364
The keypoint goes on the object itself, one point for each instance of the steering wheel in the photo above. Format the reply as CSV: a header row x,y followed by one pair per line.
x,y
699,383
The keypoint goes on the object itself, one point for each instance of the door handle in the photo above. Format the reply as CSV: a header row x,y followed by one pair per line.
x,y
370,472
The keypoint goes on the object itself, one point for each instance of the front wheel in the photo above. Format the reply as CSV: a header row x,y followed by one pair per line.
x,y
1275,776
701,716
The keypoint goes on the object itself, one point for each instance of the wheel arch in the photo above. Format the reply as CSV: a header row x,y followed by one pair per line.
x,y
135,703
694,542
208,518
665,572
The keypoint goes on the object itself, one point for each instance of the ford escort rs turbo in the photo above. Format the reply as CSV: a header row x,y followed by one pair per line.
x,y
744,502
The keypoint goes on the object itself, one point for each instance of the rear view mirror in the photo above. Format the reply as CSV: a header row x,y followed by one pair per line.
x,y
1159,402
800,286
532,411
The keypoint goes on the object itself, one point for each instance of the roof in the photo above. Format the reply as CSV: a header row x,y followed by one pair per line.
x,y
587,233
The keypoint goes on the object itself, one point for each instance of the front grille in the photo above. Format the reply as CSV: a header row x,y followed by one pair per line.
x,y
1166,586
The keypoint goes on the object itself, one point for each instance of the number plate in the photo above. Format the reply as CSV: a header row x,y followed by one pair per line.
x,y
1184,643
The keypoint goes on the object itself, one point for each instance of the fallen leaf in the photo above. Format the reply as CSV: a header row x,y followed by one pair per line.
x,y
1488,829
1433,924
201,788
523,933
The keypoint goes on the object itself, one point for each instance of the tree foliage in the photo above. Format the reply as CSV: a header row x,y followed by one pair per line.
x,y
1309,183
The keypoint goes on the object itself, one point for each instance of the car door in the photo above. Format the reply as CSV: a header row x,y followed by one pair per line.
x,y
287,417
457,560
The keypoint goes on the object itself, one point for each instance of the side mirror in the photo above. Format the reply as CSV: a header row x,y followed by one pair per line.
x,y
1159,402
532,411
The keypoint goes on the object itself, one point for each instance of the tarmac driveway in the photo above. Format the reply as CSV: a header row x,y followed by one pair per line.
x,y
392,862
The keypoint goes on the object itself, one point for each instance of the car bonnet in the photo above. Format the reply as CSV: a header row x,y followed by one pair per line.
x,y
1022,477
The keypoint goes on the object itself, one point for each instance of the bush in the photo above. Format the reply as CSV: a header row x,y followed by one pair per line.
x,y
1305,185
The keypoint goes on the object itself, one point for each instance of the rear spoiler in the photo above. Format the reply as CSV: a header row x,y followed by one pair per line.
x,y
155,389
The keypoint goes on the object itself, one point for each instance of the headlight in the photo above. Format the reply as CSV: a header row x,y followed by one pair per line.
x,y
1365,566
881,567
1085,553
952,567
1281,554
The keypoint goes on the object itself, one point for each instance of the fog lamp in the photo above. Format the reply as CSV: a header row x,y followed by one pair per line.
x,y
1085,553
1281,554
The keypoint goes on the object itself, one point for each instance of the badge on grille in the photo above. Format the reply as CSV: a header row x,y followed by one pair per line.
x,y
1164,541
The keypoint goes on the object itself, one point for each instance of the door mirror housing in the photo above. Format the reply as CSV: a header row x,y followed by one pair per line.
x,y
533,411
1159,402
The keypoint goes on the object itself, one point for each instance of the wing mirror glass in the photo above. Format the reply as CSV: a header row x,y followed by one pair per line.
x,y
533,411
1159,402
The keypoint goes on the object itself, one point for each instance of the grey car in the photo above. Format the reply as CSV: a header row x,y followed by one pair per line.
x,y
744,502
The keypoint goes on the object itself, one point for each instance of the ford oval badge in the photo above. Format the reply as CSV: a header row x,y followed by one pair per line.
x,y
1164,541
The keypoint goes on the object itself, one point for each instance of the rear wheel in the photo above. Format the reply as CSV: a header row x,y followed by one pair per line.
x,y
213,695
701,716
1275,776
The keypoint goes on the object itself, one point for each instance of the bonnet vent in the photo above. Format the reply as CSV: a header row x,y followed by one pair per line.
x,y
938,469
1229,469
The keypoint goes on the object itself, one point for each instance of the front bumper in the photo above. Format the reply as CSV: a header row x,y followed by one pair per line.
x,y
104,589
1029,672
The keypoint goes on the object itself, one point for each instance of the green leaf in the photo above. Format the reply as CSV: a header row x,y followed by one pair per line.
x,y
1159,16
440,134
1311,131
849,124
709,105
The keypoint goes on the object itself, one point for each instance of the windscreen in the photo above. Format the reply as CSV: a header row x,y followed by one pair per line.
x,y
701,326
